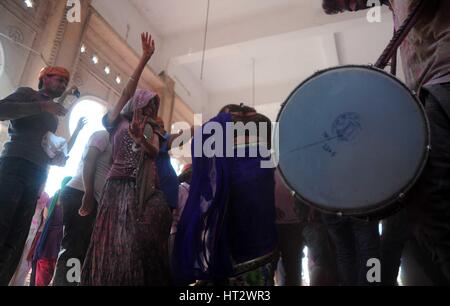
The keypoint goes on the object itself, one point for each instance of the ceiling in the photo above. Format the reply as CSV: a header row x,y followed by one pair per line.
x,y
172,17
262,46
260,62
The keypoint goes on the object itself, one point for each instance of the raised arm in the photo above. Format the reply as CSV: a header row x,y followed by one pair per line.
x,y
81,123
148,48
14,107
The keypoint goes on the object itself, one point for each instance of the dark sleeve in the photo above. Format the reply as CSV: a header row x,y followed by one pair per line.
x,y
19,105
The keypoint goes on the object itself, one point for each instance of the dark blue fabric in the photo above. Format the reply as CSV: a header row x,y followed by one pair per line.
x,y
251,209
356,242
168,178
20,183
229,216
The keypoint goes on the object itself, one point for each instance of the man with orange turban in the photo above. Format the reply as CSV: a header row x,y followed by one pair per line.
x,y
24,163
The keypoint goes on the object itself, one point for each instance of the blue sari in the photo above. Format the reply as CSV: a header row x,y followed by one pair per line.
x,y
168,178
229,217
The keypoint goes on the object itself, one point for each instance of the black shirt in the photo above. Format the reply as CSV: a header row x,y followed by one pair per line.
x,y
28,125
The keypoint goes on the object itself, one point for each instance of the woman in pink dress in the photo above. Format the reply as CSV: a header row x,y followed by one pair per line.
x,y
129,244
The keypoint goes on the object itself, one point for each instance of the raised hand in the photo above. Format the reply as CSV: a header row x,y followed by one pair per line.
x,y
148,46
81,123
137,126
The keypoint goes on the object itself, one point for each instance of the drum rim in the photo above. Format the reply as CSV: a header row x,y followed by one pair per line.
x,y
377,209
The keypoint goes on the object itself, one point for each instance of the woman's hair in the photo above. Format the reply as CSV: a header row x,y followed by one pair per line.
x,y
234,108
333,6
249,114
186,176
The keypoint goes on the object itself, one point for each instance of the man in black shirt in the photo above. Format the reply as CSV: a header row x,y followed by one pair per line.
x,y
24,163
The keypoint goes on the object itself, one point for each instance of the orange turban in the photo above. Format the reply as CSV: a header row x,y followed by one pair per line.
x,y
59,71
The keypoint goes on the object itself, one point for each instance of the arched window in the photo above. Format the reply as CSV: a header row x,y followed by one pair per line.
x,y
93,110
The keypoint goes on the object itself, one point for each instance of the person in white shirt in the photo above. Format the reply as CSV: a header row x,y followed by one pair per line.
x,y
79,201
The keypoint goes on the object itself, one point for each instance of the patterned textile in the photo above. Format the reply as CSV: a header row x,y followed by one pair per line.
x,y
129,246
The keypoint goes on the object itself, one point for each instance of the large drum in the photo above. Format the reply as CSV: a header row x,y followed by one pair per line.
x,y
352,140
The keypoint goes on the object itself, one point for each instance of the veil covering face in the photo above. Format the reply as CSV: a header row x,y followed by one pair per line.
x,y
141,99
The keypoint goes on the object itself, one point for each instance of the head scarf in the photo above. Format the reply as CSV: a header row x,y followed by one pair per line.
x,y
141,99
60,71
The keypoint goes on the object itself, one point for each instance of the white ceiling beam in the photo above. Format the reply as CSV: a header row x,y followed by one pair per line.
x,y
327,31
329,50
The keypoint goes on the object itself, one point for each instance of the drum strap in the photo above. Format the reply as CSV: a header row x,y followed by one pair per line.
x,y
400,35
394,62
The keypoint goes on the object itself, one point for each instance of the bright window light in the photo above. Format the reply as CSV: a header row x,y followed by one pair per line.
x,y
118,80
95,59
29,3
107,70
93,111
83,48
305,268
177,165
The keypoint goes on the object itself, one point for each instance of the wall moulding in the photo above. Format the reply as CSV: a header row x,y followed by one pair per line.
x,y
35,17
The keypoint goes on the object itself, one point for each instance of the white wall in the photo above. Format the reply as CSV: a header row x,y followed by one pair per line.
x,y
347,42
188,88
15,56
260,26
272,95
128,22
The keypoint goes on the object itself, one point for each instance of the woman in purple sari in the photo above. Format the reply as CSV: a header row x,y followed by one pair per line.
x,y
129,244
227,232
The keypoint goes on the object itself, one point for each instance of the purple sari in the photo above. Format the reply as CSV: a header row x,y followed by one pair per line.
x,y
229,216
